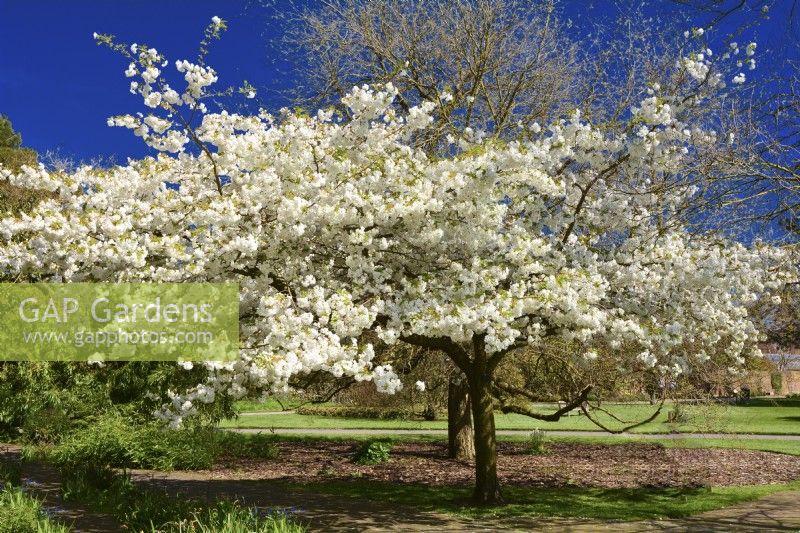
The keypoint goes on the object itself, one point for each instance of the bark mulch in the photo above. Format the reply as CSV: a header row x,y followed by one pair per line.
x,y
565,464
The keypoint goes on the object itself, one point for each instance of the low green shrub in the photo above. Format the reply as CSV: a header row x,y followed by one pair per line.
x,y
678,415
373,452
114,441
42,402
795,396
537,443
355,411
776,380
242,446
21,513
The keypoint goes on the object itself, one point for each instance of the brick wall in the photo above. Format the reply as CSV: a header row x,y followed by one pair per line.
x,y
762,381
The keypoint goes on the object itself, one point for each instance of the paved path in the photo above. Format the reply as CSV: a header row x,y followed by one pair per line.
x,y
518,432
43,482
777,512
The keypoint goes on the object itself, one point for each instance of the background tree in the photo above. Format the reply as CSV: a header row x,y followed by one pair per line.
x,y
8,137
490,65
13,156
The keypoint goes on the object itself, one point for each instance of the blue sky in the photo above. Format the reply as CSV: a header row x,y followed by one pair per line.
x,y
58,87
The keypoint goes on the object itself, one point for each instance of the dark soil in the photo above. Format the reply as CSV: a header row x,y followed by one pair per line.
x,y
589,465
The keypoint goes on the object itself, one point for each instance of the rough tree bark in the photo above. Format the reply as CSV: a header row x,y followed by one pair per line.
x,y
478,368
487,487
460,443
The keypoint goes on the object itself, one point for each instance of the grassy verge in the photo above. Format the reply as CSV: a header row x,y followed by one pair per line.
x,y
779,417
767,445
567,502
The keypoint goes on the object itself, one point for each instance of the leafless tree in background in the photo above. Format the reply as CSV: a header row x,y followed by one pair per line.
x,y
506,63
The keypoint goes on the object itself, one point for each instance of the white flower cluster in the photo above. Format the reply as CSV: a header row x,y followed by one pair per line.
x,y
700,66
336,228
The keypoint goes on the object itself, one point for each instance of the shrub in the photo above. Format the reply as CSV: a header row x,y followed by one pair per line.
x,y
537,443
355,411
373,452
795,396
776,380
238,445
114,441
678,415
43,402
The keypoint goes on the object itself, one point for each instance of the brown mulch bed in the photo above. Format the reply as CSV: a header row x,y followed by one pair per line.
x,y
590,465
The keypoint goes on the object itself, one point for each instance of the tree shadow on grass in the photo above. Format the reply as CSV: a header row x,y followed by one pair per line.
x,y
340,505
319,510
605,504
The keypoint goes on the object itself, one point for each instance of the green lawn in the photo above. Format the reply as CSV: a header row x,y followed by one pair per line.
x,y
790,447
568,502
780,417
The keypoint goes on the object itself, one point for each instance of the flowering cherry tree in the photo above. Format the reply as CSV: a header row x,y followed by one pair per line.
x,y
342,235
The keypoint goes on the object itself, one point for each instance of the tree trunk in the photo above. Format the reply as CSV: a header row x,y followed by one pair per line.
x,y
487,487
460,444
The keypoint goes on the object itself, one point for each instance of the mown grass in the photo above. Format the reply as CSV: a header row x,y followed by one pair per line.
x,y
269,404
779,417
788,447
565,502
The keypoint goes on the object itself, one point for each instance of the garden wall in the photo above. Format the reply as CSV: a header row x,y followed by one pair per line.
x,y
764,382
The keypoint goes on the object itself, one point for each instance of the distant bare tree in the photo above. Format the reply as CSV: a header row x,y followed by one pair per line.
x,y
490,64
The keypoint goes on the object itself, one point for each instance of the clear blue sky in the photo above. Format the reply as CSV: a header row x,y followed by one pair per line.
x,y
58,87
